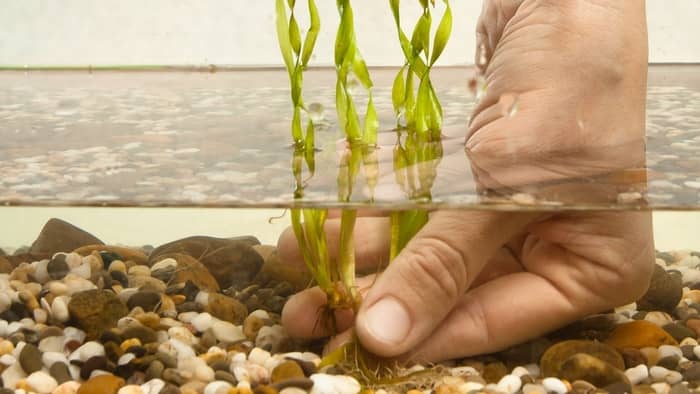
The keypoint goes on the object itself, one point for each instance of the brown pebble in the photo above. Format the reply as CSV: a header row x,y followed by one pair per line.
x,y
553,359
225,376
446,389
639,334
583,366
633,357
286,370
582,387
301,383
251,325
263,389
493,372
308,367
102,384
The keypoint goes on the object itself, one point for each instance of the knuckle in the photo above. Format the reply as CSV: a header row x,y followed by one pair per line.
x,y
436,269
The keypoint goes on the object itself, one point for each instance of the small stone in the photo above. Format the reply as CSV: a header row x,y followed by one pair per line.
x,y
96,311
91,364
554,385
692,373
528,388
659,318
225,376
227,332
286,370
334,384
173,376
274,339
226,308
591,369
41,382
494,372
679,332
218,387
60,372
633,357
146,300
509,384
664,293
155,370
30,359
252,325
555,357
638,334
300,383
637,374
102,384
679,388
142,333
57,268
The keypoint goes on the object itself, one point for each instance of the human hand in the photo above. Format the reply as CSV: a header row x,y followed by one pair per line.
x,y
474,282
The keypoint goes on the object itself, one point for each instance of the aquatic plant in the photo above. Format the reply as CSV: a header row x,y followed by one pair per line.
x,y
421,111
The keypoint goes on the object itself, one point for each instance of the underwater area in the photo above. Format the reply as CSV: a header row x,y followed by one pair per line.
x,y
202,314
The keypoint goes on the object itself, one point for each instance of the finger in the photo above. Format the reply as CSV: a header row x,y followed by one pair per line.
x,y
372,239
496,315
429,276
303,314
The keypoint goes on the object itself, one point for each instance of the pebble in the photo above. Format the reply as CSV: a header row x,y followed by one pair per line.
x,y
41,382
334,384
509,384
227,332
639,334
637,374
30,359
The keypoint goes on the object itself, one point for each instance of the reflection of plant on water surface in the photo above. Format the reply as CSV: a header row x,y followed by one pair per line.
x,y
417,152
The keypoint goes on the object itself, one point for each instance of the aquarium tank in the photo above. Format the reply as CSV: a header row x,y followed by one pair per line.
x,y
215,197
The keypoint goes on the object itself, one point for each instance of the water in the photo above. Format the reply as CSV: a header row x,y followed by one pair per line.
x,y
177,138
189,140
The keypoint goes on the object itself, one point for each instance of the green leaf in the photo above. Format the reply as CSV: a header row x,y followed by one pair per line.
x,y
420,33
297,135
341,104
398,92
346,33
442,35
423,105
359,67
312,34
410,101
283,36
294,34
371,123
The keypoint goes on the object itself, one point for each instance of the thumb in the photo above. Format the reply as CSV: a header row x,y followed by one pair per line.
x,y
422,285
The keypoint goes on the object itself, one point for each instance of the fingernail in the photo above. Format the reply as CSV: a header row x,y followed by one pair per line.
x,y
388,321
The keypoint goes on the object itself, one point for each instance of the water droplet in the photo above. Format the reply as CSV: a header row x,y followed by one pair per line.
x,y
316,112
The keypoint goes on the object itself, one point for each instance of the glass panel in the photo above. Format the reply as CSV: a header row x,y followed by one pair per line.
x,y
197,138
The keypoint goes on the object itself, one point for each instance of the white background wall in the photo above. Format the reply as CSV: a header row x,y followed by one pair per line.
x,y
241,32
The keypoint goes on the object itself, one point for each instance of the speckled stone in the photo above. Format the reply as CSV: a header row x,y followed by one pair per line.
x,y
95,311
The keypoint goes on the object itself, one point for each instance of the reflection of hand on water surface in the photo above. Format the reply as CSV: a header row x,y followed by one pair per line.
x,y
474,282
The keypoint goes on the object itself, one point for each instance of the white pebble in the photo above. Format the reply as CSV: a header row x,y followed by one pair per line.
x,y
202,298
238,358
661,388
153,386
42,382
74,334
258,356
531,388
227,332
204,373
76,284
164,264
464,371
509,384
59,310
240,372
87,350
130,389
658,373
126,358
52,344
7,359
177,348
187,317
73,259
139,270
296,390
117,265
554,385
334,384
260,313
470,386
534,369
520,371
182,334
202,322
217,387
637,374
67,388
40,273
5,301
12,374
257,373
40,316
83,270
50,358
57,288
674,377
659,318
669,350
